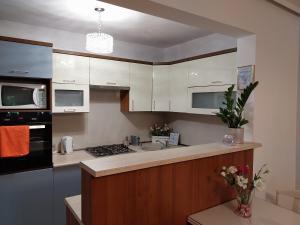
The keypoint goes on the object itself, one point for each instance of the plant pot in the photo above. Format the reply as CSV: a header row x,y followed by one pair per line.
x,y
238,134
162,139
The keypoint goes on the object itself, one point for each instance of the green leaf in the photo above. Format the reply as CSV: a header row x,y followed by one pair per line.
x,y
232,113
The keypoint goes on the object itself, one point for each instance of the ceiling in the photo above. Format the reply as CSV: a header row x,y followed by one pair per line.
x,y
79,16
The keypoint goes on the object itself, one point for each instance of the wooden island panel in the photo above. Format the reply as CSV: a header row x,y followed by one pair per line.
x,y
162,195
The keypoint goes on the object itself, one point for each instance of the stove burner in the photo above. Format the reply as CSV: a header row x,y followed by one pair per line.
x,y
106,150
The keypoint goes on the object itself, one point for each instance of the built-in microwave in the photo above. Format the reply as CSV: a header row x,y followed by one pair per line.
x,y
23,95
207,99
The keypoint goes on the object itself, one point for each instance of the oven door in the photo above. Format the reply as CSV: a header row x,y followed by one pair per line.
x,y
40,145
23,96
206,100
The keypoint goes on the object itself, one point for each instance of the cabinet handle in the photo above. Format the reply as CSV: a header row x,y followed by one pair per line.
x,y
132,105
19,72
217,82
153,105
69,81
69,110
111,83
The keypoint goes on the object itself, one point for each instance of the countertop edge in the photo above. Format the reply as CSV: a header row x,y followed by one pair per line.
x,y
71,207
112,171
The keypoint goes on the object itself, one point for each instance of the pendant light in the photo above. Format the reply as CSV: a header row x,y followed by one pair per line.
x,y
99,42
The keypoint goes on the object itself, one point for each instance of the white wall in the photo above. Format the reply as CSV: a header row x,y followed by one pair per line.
x,y
199,46
277,58
75,41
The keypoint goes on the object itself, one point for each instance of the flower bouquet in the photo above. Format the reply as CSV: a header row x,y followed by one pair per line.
x,y
239,179
160,133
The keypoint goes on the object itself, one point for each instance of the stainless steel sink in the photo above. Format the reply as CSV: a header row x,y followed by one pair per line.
x,y
152,146
157,146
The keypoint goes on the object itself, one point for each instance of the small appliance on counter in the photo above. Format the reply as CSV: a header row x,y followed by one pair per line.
x,y
135,140
66,145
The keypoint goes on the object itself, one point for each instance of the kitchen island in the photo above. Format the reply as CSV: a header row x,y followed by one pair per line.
x,y
158,187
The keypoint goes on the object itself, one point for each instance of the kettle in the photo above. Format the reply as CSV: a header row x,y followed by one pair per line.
x,y
66,145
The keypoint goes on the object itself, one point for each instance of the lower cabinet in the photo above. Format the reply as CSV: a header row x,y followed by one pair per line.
x,y
67,182
27,198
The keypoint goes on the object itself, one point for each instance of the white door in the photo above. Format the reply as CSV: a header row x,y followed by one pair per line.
x,y
140,95
215,70
178,80
70,69
70,98
161,94
109,73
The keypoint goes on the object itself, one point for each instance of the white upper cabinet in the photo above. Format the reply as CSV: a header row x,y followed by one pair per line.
x,y
109,73
70,98
140,95
178,82
215,70
161,93
70,69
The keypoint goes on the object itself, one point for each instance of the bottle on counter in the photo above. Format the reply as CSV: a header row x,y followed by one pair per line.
x,y
126,141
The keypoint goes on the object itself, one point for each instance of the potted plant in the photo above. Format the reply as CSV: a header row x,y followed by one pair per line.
x,y
232,113
239,178
160,133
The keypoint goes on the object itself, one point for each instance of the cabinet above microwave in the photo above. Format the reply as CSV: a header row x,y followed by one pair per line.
x,y
25,60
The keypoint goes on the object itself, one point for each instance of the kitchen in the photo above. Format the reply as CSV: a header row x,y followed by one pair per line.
x,y
145,84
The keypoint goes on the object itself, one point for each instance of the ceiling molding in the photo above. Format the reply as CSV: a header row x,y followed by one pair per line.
x,y
287,5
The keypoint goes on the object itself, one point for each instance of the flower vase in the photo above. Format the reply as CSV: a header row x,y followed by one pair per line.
x,y
244,205
238,134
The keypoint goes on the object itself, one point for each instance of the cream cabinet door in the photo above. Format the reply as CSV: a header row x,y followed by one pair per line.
x,y
140,95
70,69
215,70
178,87
109,73
161,94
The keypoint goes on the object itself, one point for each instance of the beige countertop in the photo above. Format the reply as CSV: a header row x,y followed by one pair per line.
x,y
73,158
74,205
128,162
263,213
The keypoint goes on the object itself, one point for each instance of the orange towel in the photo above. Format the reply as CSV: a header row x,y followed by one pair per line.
x,y
14,141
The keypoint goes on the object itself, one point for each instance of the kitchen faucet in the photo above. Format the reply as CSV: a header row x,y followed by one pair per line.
x,y
164,144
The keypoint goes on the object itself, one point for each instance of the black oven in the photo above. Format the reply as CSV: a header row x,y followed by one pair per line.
x,y
40,147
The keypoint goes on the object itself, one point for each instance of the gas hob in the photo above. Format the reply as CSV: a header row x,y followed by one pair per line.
x,y
107,150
